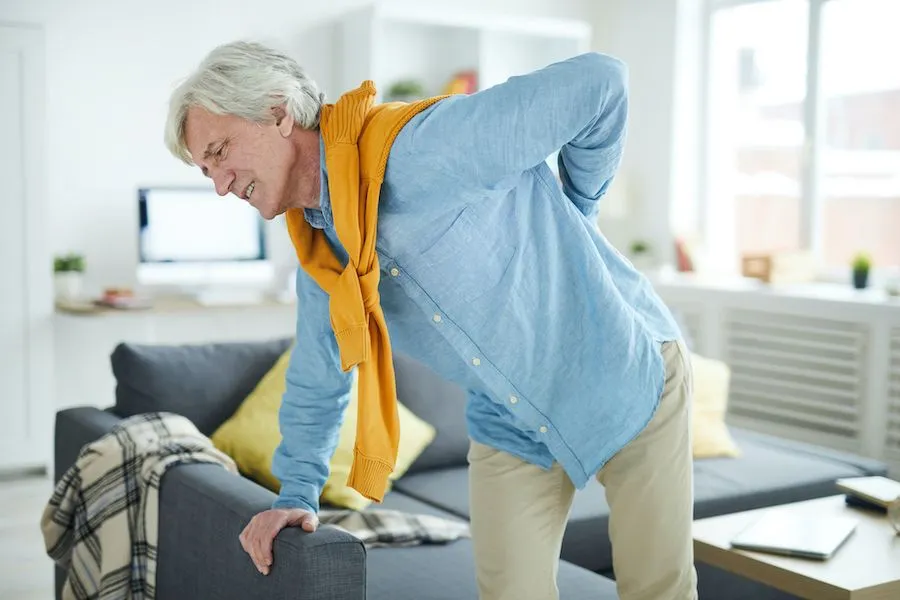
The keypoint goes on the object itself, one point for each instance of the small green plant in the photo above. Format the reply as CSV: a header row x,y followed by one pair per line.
x,y
68,263
406,88
862,262
639,247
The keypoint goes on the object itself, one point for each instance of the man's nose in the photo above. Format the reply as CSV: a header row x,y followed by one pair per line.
x,y
223,181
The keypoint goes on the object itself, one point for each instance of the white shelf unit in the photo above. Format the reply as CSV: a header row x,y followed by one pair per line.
x,y
392,41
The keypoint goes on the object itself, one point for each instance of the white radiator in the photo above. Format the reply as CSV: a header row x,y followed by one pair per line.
x,y
817,366
690,318
800,373
892,441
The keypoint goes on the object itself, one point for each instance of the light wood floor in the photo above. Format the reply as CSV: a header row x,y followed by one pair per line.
x,y
26,572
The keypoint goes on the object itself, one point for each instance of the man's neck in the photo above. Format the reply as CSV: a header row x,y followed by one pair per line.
x,y
310,162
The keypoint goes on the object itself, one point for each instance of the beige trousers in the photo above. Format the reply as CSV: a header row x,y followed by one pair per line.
x,y
519,511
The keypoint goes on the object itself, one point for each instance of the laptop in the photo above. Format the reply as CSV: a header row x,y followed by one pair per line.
x,y
790,534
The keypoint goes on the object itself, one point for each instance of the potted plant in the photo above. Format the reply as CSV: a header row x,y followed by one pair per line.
x,y
862,263
640,255
68,276
405,90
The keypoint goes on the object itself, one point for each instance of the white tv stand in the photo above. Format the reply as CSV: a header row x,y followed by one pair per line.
x,y
86,335
230,297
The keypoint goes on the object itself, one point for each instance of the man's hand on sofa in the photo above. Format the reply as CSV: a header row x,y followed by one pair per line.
x,y
259,534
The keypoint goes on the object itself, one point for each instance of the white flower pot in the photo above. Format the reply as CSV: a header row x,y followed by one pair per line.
x,y
68,285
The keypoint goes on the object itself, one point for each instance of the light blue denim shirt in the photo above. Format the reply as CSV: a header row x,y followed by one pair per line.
x,y
496,276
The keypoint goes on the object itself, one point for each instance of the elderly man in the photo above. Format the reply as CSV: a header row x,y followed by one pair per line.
x,y
437,228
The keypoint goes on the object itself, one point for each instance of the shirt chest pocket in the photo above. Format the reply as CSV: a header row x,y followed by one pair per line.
x,y
468,262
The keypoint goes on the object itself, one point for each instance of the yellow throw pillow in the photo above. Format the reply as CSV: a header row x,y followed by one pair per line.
x,y
252,434
710,433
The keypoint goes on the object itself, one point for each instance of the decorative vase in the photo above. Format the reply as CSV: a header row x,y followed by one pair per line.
x,y
860,279
68,285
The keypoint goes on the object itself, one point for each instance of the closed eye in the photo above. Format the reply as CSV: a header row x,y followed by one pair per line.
x,y
220,151
217,155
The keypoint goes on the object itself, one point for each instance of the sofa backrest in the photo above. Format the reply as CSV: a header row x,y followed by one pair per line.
x,y
203,382
438,402
207,382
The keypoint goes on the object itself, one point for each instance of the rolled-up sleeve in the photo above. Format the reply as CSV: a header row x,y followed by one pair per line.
x,y
486,140
313,405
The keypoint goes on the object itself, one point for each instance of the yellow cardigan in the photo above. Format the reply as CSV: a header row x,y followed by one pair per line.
x,y
357,138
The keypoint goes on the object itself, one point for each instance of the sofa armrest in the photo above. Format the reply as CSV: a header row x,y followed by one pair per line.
x,y
204,508
76,427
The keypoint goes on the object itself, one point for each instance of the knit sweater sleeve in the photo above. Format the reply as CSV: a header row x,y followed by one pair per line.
x,y
485,141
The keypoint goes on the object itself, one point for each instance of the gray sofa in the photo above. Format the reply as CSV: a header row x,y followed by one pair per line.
x,y
203,508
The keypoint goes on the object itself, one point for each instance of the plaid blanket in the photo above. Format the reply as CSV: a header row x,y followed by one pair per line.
x,y
391,528
100,523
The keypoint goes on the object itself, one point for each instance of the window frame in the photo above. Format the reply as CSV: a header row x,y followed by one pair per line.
x,y
811,201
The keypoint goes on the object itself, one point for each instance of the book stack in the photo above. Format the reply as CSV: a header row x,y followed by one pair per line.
x,y
875,493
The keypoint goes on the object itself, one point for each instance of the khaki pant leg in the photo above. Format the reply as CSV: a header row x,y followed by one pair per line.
x,y
649,489
518,514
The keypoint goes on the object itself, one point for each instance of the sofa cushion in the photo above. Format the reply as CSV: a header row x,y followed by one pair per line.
x,y
447,489
711,437
773,470
252,435
203,382
397,500
439,403
769,471
447,572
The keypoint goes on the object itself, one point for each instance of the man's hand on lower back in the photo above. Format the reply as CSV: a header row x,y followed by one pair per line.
x,y
259,534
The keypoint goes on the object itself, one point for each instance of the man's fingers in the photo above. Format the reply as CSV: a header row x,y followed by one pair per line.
x,y
253,544
310,522
245,540
258,537
266,542
263,546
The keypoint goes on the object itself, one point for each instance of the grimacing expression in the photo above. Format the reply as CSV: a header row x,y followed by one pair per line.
x,y
270,165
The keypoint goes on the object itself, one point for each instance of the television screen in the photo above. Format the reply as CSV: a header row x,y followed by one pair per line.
x,y
198,225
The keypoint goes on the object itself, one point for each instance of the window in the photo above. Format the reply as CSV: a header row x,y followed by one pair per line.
x,y
802,130
860,94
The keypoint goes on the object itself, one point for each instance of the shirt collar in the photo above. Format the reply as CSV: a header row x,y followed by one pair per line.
x,y
321,217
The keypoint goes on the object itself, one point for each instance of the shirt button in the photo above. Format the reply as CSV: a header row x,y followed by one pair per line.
x,y
513,399
395,271
436,318
476,361
543,429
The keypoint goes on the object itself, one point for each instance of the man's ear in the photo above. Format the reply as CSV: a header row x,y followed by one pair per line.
x,y
283,120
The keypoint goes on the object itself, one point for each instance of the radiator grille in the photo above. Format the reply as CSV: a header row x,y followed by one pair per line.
x,y
797,373
690,318
892,443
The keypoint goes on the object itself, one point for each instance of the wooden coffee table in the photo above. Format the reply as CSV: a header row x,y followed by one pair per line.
x,y
866,567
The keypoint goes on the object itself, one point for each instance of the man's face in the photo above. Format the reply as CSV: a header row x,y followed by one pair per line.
x,y
263,164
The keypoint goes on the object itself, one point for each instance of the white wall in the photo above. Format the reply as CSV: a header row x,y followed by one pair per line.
x,y
110,67
658,39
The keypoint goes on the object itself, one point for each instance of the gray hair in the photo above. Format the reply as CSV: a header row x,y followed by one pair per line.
x,y
245,79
